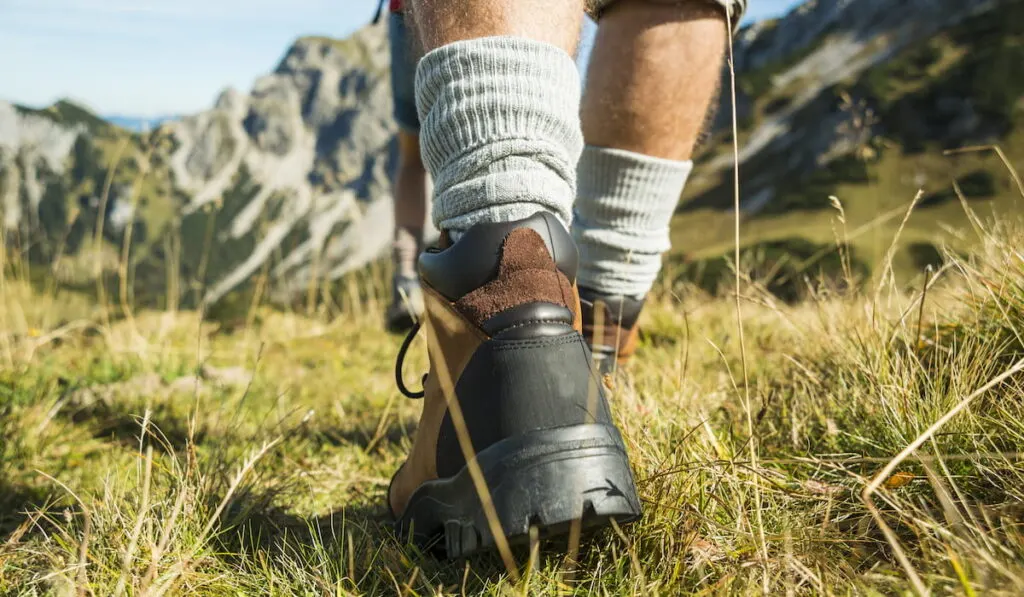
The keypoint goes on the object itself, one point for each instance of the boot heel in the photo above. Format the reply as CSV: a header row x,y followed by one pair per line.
x,y
551,480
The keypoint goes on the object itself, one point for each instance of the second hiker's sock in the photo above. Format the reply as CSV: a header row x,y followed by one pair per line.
x,y
621,222
406,251
500,130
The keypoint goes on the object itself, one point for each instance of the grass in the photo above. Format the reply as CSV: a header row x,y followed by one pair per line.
x,y
863,436
872,211
901,106
161,454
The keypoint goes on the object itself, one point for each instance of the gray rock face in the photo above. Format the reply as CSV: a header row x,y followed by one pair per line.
x,y
304,158
864,21
32,148
315,139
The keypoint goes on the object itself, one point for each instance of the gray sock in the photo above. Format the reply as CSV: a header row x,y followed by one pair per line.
x,y
621,221
500,130
405,251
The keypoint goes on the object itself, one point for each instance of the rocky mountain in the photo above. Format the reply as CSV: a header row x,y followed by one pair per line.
x,y
289,180
840,88
288,183
312,145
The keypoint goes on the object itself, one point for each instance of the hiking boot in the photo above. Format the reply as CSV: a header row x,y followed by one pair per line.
x,y
511,390
610,327
406,306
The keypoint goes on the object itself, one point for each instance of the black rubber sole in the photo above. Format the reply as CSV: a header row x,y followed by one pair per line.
x,y
544,479
400,323
604,359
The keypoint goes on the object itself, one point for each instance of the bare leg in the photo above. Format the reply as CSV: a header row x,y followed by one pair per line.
x,y
410,190
410,183
653,73
441,22
410,203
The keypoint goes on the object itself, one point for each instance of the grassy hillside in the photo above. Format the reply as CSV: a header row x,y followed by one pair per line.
x,y
903,113
153,453
78,241
161,256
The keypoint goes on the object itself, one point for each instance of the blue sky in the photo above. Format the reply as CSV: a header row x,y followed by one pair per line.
x,y
157,57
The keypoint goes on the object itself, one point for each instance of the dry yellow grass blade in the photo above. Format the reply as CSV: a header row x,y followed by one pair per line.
x,y
887,471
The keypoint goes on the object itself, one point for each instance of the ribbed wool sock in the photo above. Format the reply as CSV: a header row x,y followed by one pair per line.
x,y
500,130
621,221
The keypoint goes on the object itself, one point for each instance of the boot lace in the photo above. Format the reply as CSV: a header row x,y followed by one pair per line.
x,y
401,360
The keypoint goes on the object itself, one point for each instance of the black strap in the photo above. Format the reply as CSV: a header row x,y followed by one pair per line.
x,y
380,11
401,359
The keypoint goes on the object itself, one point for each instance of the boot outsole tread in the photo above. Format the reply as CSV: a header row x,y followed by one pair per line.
x,y
550,480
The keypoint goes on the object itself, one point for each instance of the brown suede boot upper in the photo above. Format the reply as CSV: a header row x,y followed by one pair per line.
x,y
526,273
600,328
610,324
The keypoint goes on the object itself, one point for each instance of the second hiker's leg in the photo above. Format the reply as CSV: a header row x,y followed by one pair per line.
x,y
510,388
410,183
654,71
410,196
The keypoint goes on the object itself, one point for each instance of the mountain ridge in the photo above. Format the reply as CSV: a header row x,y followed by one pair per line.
x,y
842,129
289,183
301,158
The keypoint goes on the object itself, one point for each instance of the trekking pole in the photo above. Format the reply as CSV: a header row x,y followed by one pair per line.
x,y
380,11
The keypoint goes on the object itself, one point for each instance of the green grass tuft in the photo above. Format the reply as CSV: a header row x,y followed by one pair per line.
x,y
153,452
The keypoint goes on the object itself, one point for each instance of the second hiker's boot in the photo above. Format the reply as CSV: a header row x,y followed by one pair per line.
x,y
511,389
406,306
610,327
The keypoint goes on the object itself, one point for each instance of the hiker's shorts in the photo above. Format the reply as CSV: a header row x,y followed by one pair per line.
x,y
403,74
735,8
